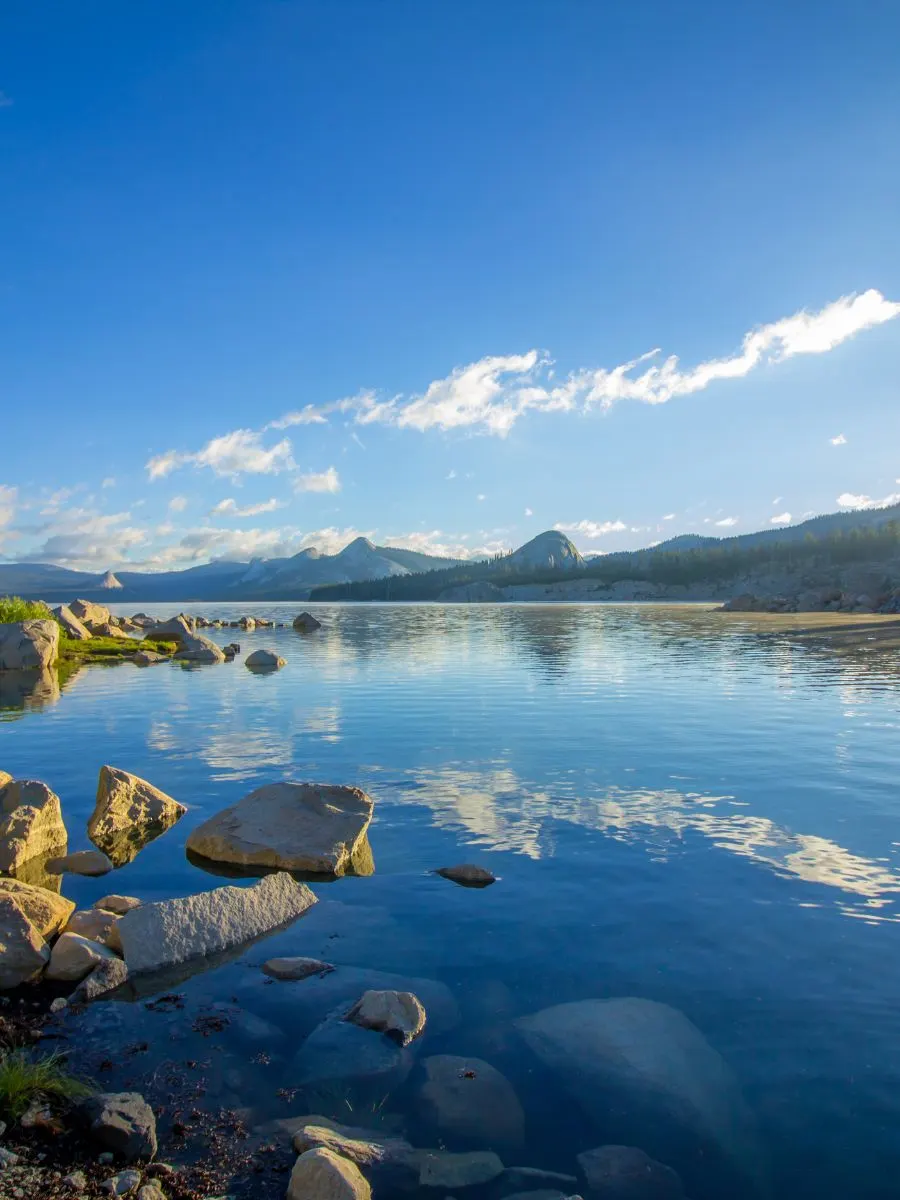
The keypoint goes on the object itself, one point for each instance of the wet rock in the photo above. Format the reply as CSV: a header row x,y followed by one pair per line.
x,y
47,911
643,1071
125,1183
106,977
57,1005
31,824
129,812
123,1122
73,957
367,1148
440,1169
83,862
295,826
98,926
23,952
117,904
468,875
199,650
264,660
71,624
174,931
306,623
148,658
468,1100
295,968
627,1173
398,1014
29,645
336,1050
323,1175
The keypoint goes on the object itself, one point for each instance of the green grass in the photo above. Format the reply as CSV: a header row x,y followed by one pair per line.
x,y
23,1079
14,608
102,649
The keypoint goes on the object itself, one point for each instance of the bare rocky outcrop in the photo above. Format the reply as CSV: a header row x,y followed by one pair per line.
x,y
31,824
29,645
169,932
129,812
296,826
71,625
90,613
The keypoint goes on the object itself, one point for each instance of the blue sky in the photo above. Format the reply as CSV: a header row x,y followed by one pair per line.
x,y
277,273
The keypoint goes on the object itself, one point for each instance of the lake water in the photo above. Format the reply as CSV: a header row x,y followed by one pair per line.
x,y
677,810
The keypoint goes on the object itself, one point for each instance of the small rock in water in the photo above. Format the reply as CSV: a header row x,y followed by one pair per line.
x,y
323,1175
438,1168
468,875
398,1014
119,905
122,1184
82,862
264,660
627,1173
295,968
59,1004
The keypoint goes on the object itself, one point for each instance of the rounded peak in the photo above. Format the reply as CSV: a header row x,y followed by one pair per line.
x,y
360,543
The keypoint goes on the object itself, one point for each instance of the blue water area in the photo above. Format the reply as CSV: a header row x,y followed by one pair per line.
x,y
677,809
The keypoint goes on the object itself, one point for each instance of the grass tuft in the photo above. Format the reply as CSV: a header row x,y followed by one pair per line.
x,y
14,608
23,1079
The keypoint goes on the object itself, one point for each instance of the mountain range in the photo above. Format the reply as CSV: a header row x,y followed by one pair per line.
x,y
295,577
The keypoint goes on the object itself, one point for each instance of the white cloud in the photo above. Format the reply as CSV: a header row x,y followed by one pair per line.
x,y
851,501
108,482
448,545
237,453
840,440
481,496
8,502
178,504
591,529
669,517
451,474
727,522
322,481
230,507
777,501
782,519
56,500
84,538
165,530
528,512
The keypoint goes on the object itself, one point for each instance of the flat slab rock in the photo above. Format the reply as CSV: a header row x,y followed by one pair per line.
x,y
311,827
293,969
83,862
168,932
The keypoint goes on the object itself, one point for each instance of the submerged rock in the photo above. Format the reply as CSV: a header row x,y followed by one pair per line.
x,y
398,1014
439,1169
168,932
73,957
47,911
122,1122
467,1100
323,1175
264,660
645,1073
23,952
522,1180
295,968
339,1051
29,645
367,1148
31,824
627,1173
83,862
129,812
468,875
296,826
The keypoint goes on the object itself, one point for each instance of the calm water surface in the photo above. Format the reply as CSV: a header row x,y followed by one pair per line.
x,y
677,811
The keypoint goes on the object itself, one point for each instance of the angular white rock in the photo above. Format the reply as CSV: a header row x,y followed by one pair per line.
x,y
29,645
31,823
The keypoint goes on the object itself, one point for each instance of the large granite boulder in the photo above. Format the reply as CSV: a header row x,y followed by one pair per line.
x,y
23,952
198,649
264,660
29,645
31,824
99,926
648,1077
122,1122
297,826
176,629
89,613
73,957
323,1175
71,625
466,1101
47,911
169,932
129,813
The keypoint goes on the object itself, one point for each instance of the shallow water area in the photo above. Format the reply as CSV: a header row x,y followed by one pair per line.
x,y
677,810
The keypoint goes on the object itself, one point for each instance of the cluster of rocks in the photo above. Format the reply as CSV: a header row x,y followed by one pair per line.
x,y
817,600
